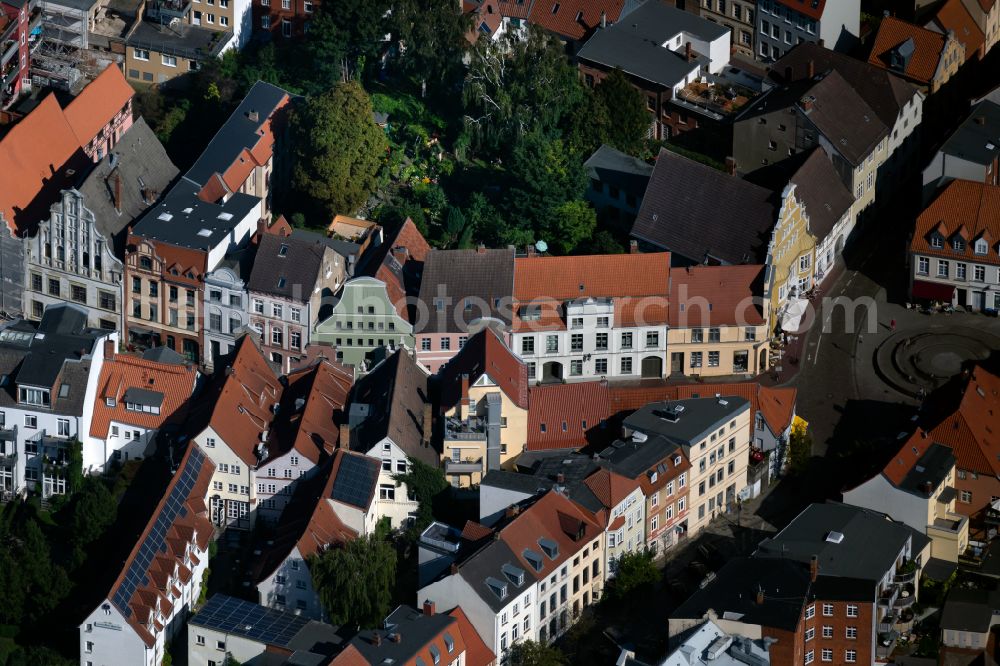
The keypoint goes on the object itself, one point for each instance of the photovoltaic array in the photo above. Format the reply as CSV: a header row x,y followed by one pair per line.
x,y
244,618
154,542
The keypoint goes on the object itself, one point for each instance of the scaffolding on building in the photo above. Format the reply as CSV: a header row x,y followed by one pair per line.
x,y
60,59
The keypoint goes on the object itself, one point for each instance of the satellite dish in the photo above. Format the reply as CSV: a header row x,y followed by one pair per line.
x,y
542,246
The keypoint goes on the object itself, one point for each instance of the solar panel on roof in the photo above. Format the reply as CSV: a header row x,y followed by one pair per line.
x,y
137,573
244,618
354,481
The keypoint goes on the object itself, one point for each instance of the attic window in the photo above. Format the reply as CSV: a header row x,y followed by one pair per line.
x,y
64,390
579,16
205,233
534,559
958,245
110,401
283,250
834,537
541,427
498,586
513,574
981,247
555,8
281,283
550,547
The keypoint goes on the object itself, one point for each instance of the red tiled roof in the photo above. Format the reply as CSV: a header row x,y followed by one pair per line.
x,y
716,296
350,656
573,18
928,47
596,403
597,276
147,597
616,523
971,431
974,205
548,517
98,103
954,16
244,406
515,8
390,271
477,653
315,428
124,372
484,354
473,531
576,404
909,454
609,487
811,8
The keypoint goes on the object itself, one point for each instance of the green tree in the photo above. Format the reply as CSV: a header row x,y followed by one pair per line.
x,y
355,580
91,512
517,85
569,224
635,571
799,450
424,483
626,117
545,177
432,33
530,653
338,149
604,242
454,223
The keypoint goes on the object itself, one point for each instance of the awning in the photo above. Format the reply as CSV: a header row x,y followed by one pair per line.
x,y
933,291
791,318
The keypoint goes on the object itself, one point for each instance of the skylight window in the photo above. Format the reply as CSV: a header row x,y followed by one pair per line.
x,y
281,283
283,250
225,216
205,233
166,217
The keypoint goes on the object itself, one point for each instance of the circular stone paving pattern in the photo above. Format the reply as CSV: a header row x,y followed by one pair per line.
x,y
923,361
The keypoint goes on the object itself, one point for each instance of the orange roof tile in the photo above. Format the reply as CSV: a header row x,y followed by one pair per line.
x,y
909,454
398,277
962,203
573,18
609,487
314,429
244,406
477,653
550,517
484,354
124,372
716,296
581,405
473,531
98,103
777,405
350,656
928,47
954,16
972,429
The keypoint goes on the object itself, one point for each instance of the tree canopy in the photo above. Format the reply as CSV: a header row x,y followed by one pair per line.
x,y
635,571
338,149
355,581
531,653
425,484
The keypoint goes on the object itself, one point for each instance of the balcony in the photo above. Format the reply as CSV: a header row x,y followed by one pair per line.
x,y
169,9
757,467
472,429
887,598
907,597
9,50
463,466
903,576
886,644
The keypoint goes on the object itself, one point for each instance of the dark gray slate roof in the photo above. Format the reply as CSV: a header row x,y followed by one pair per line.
x,y
614,167
696,212
634,43
884,92
286,267
488,562
205,226
394,394
933,468
821,190
975,142
415,629
452,276
699,418
871,541
785,584
238,133
49,355
969,610
146,172
164,355
844,118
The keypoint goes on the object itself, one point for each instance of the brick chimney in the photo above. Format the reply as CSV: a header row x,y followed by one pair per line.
x,y
465,394
376,638
760,596
396,637
688,52
810,69
731,166
813,568
345,436
633,247
560,478
109,349
429,608
428,423
481,249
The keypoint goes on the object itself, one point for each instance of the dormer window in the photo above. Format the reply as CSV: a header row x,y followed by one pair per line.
x,y
958,245
514,574
981,246
549,547
534,558
110,401
498,586
936,242
34,396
